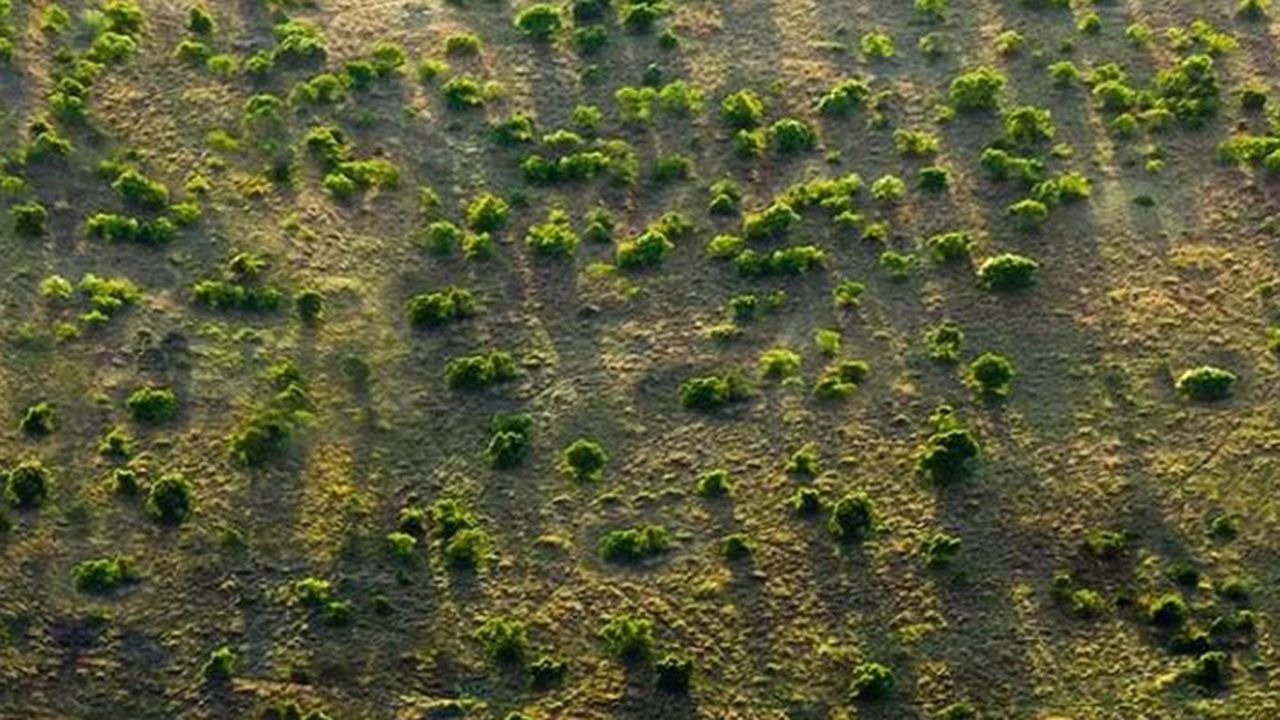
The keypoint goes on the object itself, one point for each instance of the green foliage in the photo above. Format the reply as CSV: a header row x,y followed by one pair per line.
x,y
103,575
876,45
1190,89
1028,214
505,640
462,92
646,250
475,372
1206,383
845,97
950,246
152,405
38,420
872,681
1007,272
976,89
440,308
712,392
584,460
852,518
539,21
940,550
772,223
169,501
789,136
779,363
632,545
402,547
220,666
554,238
27,484
743,110
673,673
29,219
1167,611
510,440
947,455
628,637
943,341
713,484
991,375
487,213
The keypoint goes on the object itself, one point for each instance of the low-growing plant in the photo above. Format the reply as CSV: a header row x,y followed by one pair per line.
x,y
1007,272
779,363
632,545
27,484
852,518
628,637
505,640
510,440
100,576
584,460
220,666
872,681
976,89
152,405
991,375
1206,383
712,392
169,502
647,249
673,673
440,308
40,419
789,136
478,371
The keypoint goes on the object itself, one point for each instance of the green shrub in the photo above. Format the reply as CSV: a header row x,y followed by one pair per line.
x,y
540,21
628,637
947,455
646,250
976,89
220,666
462,43
940,550
298,43
1190,89
673,673
1167,611
103,575
554,238
449,517
639,16
116,444
39,419
462,93
772,223
151,405
1028,214
852,518
467,549
991,375
169,501
310,304
713,484
546,672
1206,383
1007,272
943,341
712,392
1087,604
876,45
915,143
779,363
1105,544
845,97
475,372
510,440
200,21
848,294
789,136
29,219
584,460
27,484
889,189
1028,125
872,681
487,213
223,295
950,246
632,545
1210,670
806,502
437,309
505,640
402,547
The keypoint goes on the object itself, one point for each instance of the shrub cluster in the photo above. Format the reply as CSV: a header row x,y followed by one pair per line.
x,y
634,544
478,371
103,575
712,392
510,439
152,405
584,460
436,309
1206,383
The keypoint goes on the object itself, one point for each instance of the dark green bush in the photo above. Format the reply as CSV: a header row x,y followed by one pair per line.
x,y
505,640
462,93
946,456
991,375
852,518
943,341
934,178
645,250
628,637
806,502
713,484
224,295
29,219
711,392
116,444
310,304
436,309
546,672
742,110
940,549
1206,383
103,575
1190,89
123,228
510,440
540,21
449,517
467,549
152,405
584,460
976,89
137,189
872,681
772,223
639,16
487,213
220,666
950,246
27,484
169,501
1210,670
1167,611
634,544
1007,272
845,97
474,372
789,136
39,419
673,673
200,21
1105,544
554,238
263,436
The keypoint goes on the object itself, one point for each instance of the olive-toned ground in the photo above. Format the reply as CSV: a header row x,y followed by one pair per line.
x,y
1093,436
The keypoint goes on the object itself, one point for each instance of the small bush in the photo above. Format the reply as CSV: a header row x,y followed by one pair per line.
x,y
1206,383
1028,214
779,363
852,518
151,405
169,502
845,97
789,136
437,309
991,375
27,484
584,460
632,545
554,238
137,189
402,547
946,456
673,673
643,251
546,672
540,21
1167,611
462,93
1007,272
220,666
976,89
474,372
940,550
310,305
38,420
505,640
462,43
1087,604
510,440
712,392
29,219
487,213
628,637
713,484
467,549
103,575
872,681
